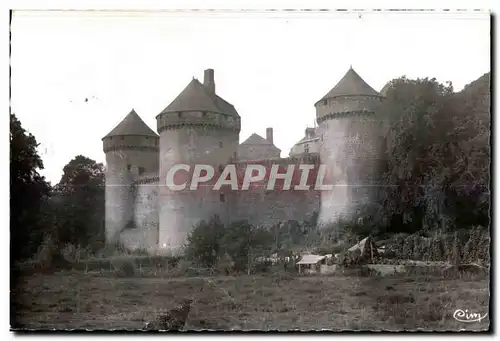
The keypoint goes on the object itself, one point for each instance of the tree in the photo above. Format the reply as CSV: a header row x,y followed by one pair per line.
x,y
210,241
204,242
434,171
28,192
80,203
412,193
244,243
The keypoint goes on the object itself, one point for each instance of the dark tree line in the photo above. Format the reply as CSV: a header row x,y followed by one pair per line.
x,y
71,212
434,172
29,192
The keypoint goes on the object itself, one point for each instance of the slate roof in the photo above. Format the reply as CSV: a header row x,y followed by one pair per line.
x,y
132,124
255,139
313,136
351,84
196,97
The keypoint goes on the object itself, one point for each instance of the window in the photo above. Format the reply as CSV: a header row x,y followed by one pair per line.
x,y
141,170
204,114
122,137
156,142
222,198
325,102
220,144
306,148
179,114
129,167
221,168
234,154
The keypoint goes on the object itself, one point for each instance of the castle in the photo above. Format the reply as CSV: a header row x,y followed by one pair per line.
x,y
199,127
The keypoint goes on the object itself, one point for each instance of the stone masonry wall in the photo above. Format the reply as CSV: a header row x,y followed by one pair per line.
x,y
347,127
144,235
180,210
119,205
255,152
126,156
266,207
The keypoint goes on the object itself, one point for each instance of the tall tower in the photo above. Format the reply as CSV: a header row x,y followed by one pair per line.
x,y
131,149
198,127
348,127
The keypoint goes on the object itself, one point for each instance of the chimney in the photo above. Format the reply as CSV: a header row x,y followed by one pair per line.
x,y
208,80
269,135
310,133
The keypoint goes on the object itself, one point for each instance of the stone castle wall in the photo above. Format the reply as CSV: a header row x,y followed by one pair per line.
x,y
268,208
164,218
187,140
126,158
137,171
255,152
119,206
264,207
143,234
187,208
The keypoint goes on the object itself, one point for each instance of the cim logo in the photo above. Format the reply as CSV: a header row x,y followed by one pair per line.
x,y
303,177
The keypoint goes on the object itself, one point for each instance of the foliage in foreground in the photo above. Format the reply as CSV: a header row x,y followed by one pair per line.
x,y
435,169
238,243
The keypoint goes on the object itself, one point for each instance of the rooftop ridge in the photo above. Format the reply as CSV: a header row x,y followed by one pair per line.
x,y
196,97
256,139
132,124
351,84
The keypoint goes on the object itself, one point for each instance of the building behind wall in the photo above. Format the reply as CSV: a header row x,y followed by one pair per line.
x,y
309,144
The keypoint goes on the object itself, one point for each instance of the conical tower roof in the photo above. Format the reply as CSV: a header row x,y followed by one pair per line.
x,y
196,97
351,85
132,124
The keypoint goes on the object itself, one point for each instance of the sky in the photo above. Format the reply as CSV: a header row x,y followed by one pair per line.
x,y
272,67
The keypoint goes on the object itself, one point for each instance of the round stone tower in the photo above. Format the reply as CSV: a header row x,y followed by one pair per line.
x,y
348,128
131,149
198,127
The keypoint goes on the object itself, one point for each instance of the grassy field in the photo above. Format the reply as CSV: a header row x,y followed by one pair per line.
x,y
78,300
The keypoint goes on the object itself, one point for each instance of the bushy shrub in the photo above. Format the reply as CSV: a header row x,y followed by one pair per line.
x,y
262,267
125,268
72,253
211,243
204,242
225,264
458,247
